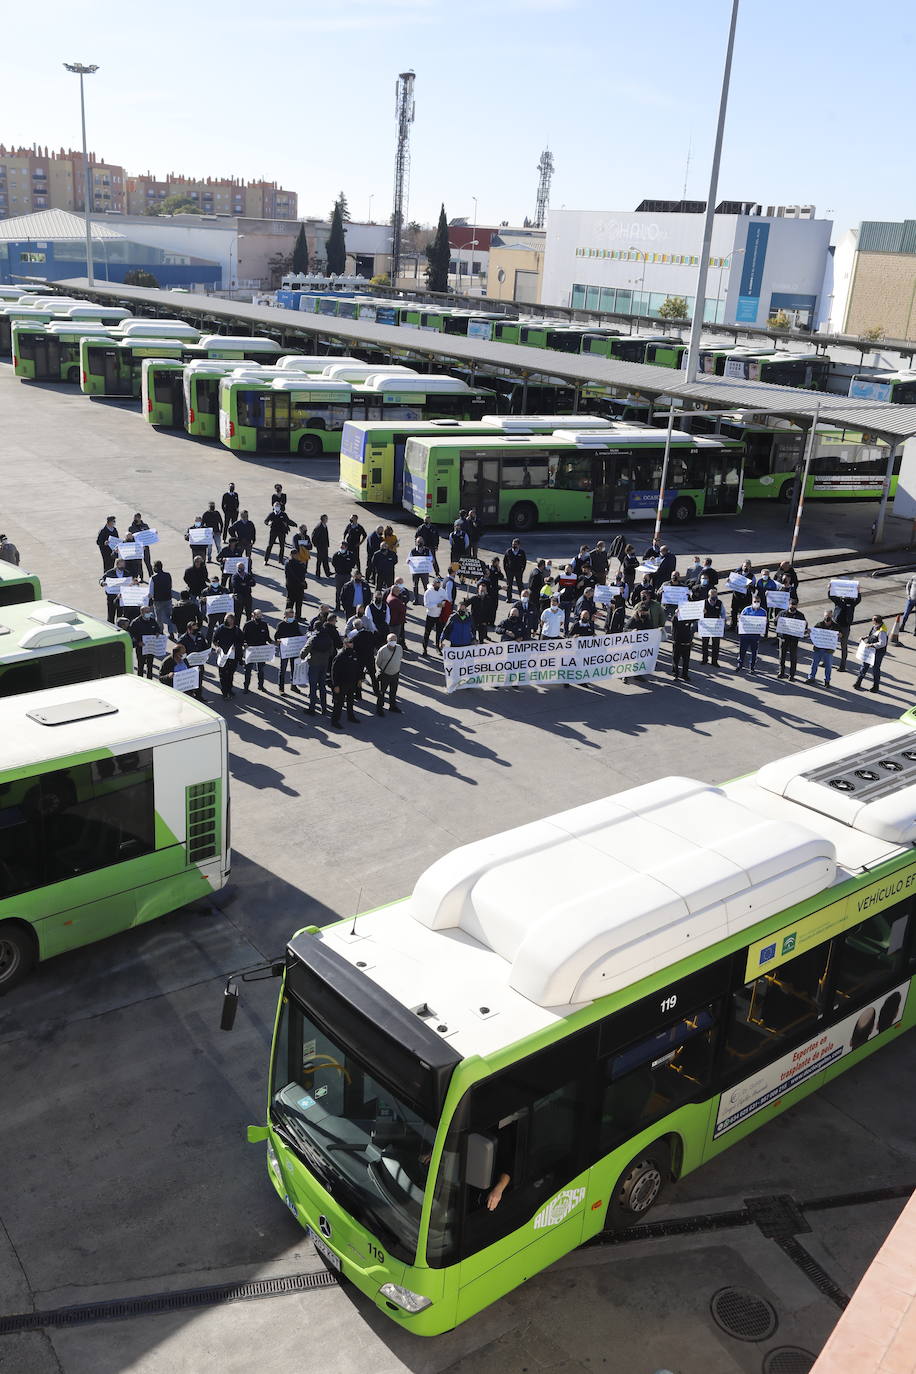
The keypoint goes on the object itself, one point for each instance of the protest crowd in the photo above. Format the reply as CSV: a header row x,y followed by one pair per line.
x,y
350,645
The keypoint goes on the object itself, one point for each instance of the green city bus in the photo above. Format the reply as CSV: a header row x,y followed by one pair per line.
x,y
780,368
114,809
570,478
199,402
43,644
162,391
629,348
9,314
17,585
114,367
306,415
51,352
372,451
468,1084
897,387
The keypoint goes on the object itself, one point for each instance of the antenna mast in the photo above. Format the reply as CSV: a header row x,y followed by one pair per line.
x,y
545,168
404,112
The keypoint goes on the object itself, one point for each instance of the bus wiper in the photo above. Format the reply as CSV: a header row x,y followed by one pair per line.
x,y
297,1139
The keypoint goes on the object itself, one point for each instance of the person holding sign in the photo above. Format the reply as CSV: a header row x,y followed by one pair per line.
x,y
434,598
196,577
195,641
823,653
741,586
294,571
788,641
763,585
107,533
144,625
243,532
748,640
254,636
290,627
175,662
871,654
682,632
212,520
845,595
135,526
110,582
227,641
713,609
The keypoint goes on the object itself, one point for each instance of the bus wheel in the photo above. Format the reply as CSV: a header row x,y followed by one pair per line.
x,y
310,446
787,491
17,954
73,375
682,510
522,517
638,1188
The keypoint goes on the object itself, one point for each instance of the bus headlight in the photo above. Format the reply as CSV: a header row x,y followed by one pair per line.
x,y
274,1165
404,1298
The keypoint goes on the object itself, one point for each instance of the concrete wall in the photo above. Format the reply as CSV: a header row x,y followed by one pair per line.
x,y
522,274
883,293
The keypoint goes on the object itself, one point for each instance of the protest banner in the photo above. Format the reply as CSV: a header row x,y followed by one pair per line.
x,y
134,596
778,601
711,629
301,672
198,659
260,653
842,587
546,662
648,568
690,610
130,552
113,541
186,679
674,595
292,646
603,594
200,534
420,563
824,639
865,653
115,585
737,582
791,626
471,569
751,624
157,645
234,565
146,537
221,605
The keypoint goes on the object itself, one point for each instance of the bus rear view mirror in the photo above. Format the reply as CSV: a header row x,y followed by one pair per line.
x,y
230,1006
479,1160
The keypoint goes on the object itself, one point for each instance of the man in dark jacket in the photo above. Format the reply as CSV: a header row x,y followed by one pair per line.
x,y
144,624
213,521
479,607
160,594
681,640
321,541
666,566
319,651
513,627
343,563
184,612
254,636
380,616
598,557
843,617
472,529
373,544
515,560
354,537
459,628
354,593
713,609
586,602
108,531
278,526
345,674
195,641
244,533
382,566
229,503
428,534
196,577
241,587
289,627
537,579
296,583
279,496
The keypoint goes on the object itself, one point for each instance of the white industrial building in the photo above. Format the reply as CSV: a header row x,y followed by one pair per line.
x,y
763,259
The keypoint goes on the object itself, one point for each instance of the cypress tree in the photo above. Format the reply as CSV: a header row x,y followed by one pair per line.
x,y
337,244
301,252
439,254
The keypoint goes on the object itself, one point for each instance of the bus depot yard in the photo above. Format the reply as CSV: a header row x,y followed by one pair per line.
x,y
124,1107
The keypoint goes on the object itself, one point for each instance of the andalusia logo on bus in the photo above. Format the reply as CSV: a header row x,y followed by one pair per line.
x,y
559,1208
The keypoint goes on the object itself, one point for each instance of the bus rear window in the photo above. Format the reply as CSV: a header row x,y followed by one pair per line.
x,y
63,669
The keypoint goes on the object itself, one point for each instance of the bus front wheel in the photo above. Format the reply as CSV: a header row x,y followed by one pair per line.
x,y
639,1187
522,517
681,511
310,446
787,491
17,954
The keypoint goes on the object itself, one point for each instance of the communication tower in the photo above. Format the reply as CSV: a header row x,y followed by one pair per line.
x,y
404,108
545,168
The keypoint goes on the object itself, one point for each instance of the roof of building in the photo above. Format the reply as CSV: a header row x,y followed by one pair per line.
x,y
53,224
724,393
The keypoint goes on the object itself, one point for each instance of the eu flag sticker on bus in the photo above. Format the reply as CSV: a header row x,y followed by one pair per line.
x,y
767,953
788,943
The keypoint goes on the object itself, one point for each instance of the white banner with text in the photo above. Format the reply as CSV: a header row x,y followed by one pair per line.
x,y
543,662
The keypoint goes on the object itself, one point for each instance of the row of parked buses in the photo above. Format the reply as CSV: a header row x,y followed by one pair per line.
x,y
114,790
249,395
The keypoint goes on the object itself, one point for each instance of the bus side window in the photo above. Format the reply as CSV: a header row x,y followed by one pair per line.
x,y
648,1079
871,955
777,1008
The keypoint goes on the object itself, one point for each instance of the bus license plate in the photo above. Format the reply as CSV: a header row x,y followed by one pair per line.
x,y
324,1250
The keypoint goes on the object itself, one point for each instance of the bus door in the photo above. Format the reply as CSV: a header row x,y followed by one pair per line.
x,y
273,422
170,389
480,487
612,487
720,479
116,383
400,444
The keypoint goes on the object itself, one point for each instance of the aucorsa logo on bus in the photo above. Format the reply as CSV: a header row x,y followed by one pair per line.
x,y
559,1208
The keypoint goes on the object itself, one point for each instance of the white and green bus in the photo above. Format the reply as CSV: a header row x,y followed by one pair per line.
x,y
306,415
113,367
17,585
114,809
43,644
897,387
372,451
563,1020
572,477
51,352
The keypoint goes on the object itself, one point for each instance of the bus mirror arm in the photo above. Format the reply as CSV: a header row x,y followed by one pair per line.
x,y
231,994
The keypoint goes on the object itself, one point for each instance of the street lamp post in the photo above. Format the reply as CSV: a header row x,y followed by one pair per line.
x,y
369,220
81,70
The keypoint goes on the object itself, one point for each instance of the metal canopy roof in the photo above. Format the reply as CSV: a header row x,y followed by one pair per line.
x,y
895,422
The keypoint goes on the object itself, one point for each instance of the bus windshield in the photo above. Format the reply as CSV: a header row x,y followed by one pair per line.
x,y
354,1134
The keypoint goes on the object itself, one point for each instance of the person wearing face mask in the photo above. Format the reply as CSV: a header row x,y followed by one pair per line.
x,y
278,527
108,531
713,609
290,625
459,628
749,644
255,634
144,624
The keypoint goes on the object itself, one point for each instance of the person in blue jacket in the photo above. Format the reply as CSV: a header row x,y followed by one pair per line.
x,y
748,644
459,629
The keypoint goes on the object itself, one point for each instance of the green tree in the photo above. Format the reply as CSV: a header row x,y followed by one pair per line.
x,y
674,308
176,205
139,277
344,207
380,279
779,320
438,255
301,251
336,249
873,333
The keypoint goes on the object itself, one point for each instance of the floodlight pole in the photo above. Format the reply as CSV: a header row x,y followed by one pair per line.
x,y
699,304
664,476
81,70
809,453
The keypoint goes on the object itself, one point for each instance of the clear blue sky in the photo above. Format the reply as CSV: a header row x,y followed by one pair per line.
x,y
303,93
